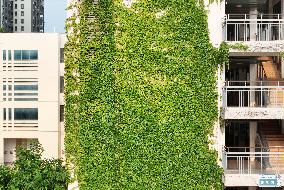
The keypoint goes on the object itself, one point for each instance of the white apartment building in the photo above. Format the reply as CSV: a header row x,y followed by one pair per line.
x,y
250,138
31,79
22,15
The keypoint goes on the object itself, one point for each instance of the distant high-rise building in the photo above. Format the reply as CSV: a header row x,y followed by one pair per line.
x,y
22,15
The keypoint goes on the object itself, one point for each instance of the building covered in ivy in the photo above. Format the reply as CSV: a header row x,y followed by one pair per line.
x,y
175,94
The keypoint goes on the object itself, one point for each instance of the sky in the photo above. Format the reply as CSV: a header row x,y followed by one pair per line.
x,y
55,15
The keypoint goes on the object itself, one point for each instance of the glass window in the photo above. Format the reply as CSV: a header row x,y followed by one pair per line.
x,y
16,28
25,54
33,54
22,28
16,21
22,6
22,21
25,94
4,55
17,55
4,113
61,55
10,113
4,87
25,99
9,55
22,13
26,87
25,113
16,13
61,113
61,84
16,6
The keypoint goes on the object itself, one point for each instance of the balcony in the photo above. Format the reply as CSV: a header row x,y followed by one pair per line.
x,y
245,166
253,100
250,27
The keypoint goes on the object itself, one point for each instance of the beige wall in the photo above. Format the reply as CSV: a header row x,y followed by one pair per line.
x,y
49,131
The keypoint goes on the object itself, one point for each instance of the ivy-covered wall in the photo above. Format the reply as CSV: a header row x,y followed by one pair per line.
x,y
141,95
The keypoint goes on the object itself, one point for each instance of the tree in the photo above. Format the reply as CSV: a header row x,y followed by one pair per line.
x,y
29,171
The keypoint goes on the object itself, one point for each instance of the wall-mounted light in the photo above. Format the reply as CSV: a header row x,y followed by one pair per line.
x,y
239,6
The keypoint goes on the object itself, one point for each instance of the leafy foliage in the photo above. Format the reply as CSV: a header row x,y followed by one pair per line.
x,y
239,46
141,95
29,171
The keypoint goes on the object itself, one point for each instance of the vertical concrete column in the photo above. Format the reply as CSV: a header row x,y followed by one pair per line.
x,y
270,7
252,136
282,126
252,133
253,25
253,79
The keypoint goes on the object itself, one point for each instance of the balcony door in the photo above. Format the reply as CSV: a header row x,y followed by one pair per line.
x,y
237,134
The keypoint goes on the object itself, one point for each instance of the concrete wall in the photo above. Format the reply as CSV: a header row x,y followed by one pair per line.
x,y
49,131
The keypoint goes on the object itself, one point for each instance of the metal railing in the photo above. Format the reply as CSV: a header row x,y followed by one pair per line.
x,y
260,27
262,94
254,83
253,160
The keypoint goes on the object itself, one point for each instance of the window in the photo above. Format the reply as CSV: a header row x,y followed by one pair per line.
x,y
9,55
22,6
25,113
26,87
16,21
22,21
33,54
25,55
61,55
16,6
22,13
22,28
10,113
61,113
16,13
17,55
4,113
61,84
4,55
16,28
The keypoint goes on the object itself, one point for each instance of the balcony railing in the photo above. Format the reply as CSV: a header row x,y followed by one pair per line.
x,y
248,27
254,160
261,94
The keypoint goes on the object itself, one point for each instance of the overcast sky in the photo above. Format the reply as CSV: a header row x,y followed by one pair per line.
x,y
55,15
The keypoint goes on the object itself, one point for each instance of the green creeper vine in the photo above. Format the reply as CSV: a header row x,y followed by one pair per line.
x,y
141,95
239,46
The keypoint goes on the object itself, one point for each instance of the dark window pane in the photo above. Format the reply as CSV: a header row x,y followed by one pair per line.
x,y
61,84
9,55
4,54
4,113
17,55
25,94
25,113
61,113
33,54
25,55
10,113
61,55
25,99
26,87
